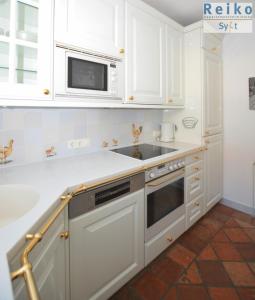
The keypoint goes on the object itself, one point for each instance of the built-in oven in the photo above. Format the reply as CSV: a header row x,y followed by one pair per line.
x,y
164,199
87,74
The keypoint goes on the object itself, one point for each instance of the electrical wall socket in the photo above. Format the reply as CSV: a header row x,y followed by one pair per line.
x,y
79,143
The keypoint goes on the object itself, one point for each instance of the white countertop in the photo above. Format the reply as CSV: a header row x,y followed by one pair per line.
x,y
53,178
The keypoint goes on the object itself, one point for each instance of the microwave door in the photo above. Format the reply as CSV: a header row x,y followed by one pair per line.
x,y
89,77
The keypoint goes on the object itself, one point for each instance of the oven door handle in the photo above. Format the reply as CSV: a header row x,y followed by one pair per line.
x,y
166,178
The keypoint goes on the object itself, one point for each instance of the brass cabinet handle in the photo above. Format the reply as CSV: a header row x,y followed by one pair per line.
x,y
64,235
131,98
196,178
196,157
170,239
214,49
196,203
196,169
122,50
207,142
46,92
170,100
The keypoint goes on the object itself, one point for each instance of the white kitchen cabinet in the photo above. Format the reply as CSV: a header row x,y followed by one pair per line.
x,y
164,239
194,210
212,43
212,94
50,266
145,59
107,247
195,199
26,41
174,67
195,185
95,25
213,170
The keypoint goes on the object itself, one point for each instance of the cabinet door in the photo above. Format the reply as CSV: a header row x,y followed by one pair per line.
x,y
107,248
145,57
26,40
96,25
213,170
174,67
49,266
212,94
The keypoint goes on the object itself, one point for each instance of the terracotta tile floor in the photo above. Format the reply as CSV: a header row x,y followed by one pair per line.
x,y
213,260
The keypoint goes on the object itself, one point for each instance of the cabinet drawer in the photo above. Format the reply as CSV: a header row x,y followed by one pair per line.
x,y
195,185
194,168
212,44
194,158
195,210
163,240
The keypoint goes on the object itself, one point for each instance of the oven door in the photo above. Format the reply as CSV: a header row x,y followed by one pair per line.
x,y
88,75
164,202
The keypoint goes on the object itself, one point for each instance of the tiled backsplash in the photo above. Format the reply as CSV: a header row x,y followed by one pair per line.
x,y
35,130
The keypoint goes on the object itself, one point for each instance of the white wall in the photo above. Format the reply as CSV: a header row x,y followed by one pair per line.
x,y
239,121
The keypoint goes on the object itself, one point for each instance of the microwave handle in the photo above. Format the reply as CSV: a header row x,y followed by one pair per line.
x,y
166,178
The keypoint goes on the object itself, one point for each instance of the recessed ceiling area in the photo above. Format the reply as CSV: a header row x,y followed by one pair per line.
x,y
184,12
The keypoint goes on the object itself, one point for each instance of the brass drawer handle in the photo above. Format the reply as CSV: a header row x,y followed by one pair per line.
x,y
131,98
46,92
170,100
196,169
196,203
207,142
196,178
196,157
64,235
122,50
169,239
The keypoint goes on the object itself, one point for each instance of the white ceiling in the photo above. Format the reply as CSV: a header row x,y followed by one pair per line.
x,y
184,12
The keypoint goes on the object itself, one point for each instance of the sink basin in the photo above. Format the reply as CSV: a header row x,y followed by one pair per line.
x,y
15,201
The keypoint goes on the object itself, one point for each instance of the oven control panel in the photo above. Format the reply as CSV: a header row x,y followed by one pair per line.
x,y
164,169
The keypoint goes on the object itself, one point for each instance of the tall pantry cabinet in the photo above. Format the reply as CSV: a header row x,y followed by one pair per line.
x,y
203,99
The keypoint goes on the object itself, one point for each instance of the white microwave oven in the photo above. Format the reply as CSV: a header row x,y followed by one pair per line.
x,y
87,75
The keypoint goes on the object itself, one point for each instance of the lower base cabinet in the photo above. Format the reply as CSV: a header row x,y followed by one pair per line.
x,y
195,210
213,170
107,247
164,239
50,267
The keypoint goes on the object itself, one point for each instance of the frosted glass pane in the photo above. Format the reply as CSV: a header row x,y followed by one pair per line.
x,y
4,61
27,22
26,68
5,17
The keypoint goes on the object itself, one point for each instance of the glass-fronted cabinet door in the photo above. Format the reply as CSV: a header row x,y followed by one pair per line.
x,y
26,48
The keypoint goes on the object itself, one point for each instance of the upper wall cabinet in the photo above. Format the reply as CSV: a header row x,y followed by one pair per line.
x,y
97,25
145,70
25,49
212,94
174,67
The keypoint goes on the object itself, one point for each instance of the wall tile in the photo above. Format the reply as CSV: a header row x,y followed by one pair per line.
x,y
35,130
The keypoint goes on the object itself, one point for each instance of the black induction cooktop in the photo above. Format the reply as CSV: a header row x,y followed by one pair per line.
x,y
144,151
